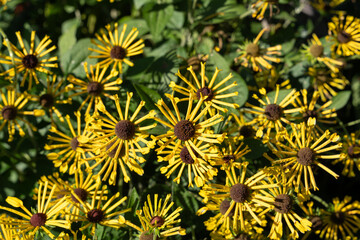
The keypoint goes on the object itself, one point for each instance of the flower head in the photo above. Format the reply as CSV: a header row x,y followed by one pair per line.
x,y
30,61
344,32
117,49
96,86
260,7
11,109
256,57
120,141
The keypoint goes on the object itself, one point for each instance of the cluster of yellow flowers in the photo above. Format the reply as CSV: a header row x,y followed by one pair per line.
x,y
107,136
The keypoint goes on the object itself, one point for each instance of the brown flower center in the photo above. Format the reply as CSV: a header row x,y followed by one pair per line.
x,y
95,215
239,193
253,49
228,158
205,91
283,203
316,223
322,76
81,193
224,206
74,143
351,152
47,100
118,52
9,112
125,130
184,130
30,61
343,37
112,153
273,112
157,221
309,114
338,218
146,235
186,157
316,50
247,131
38,219
95,88
305,156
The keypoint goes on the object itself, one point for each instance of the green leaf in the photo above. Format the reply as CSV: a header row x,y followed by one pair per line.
x,y
241,88
140,24
177,20
340,100
134,201
148,95
157,16
76,56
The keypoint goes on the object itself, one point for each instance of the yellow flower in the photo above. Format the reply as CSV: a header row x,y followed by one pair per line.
x,y
197,168
341,220
212,93
45,216
351,150
7,232
30,61
72,148
97,213
284,205
344,31
242,192
157,218
52,97
240,127
302,152
324,81
314,51
187,129
268,79
325,5
256,57
120,140
11,112
117,49
96,86
311,114
230,155
260,7
273,115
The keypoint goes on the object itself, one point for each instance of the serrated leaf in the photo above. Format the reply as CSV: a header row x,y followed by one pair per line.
x,y
340,100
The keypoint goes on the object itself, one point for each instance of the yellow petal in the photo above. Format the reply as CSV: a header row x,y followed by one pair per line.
x,y
15,202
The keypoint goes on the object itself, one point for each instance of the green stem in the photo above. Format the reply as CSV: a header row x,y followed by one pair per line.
x,y
318,199
342,125
11,54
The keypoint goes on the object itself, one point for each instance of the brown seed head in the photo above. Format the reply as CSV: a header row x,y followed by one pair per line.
x,y
95,88
338,218
224,206
118,52
239,193
9,112
247,131
205,91
184,130
186,157
228,158
309,114
283,203
305,156
317,50
273,112
81,193
343,37
125,129
38,219
113,152
242,236
95,215
30,61
253,49
157,221
74,143
351,151
316,223
47,100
